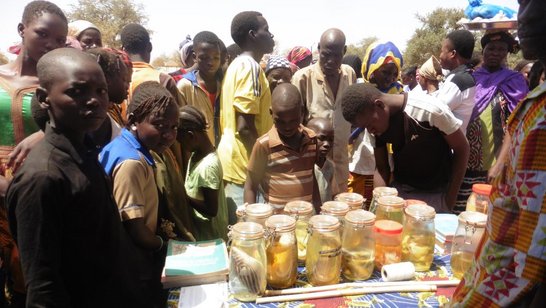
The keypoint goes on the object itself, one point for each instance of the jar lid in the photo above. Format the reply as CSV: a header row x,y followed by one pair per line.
x,y
336,208
248,230
389,227
385,191
392,201
298,208
420,211
280,223
360,217
414,201
352,199
482,189
259,210
324,223
473,219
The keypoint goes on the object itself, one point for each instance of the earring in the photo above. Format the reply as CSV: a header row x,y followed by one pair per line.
x,y
133,127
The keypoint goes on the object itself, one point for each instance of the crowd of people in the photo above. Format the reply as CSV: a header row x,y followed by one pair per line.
x,y
105,158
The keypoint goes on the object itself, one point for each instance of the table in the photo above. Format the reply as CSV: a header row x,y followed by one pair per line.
x,y
440,269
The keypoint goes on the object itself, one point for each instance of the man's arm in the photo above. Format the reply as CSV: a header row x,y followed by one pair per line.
x,y
251,188
502,157
300,81
246,128
256,172
383,171
461,150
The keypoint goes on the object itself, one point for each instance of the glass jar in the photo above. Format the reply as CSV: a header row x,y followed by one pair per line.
x,y
301,211
257,212
323,263
390,208
419,237
247,260
281,251
337,209
354,200
388,242
358,245
380,192
478,201
465,242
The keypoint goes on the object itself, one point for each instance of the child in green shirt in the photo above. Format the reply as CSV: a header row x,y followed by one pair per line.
x,y
204,185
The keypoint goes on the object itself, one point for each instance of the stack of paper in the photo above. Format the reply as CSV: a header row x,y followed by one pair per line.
x,y
446,225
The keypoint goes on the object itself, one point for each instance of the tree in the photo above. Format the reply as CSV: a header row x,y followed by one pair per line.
x,y
427,40
110,16
168,60
359,49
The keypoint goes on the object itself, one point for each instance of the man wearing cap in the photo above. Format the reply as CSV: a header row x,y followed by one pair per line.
x,y
509,269
277,71
321,86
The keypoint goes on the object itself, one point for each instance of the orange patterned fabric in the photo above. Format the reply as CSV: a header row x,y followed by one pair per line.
x,y
511,258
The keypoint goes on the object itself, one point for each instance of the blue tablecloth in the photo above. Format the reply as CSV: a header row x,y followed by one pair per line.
x,y
440,269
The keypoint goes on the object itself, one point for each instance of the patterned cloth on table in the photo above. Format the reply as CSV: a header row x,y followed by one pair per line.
x,y
511,258
440,269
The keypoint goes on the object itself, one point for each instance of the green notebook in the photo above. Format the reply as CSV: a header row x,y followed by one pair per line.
x,y
193,263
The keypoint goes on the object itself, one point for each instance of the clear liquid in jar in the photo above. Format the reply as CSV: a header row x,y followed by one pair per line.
x,y
357,265
323,263
301,238
282,265
461,261
419,250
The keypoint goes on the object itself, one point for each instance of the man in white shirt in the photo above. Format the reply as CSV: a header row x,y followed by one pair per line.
x,y
459,87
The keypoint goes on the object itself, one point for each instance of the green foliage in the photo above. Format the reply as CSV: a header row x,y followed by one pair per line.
x,y
110,16
360,48
427,40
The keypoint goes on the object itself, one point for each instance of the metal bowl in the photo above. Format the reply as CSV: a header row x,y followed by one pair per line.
x,y
491,25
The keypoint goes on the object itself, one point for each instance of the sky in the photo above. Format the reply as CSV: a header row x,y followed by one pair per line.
x,y
293,22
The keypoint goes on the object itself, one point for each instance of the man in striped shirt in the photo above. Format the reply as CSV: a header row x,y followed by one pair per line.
x,y
282,161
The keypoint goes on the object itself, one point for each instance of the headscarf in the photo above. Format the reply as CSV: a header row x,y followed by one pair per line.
x,y
185,49
76,28
298,54
431,69
379,54
512,85
276,61
503,36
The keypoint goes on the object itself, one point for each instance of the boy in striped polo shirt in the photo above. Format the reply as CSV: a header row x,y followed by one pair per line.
x,y
282,161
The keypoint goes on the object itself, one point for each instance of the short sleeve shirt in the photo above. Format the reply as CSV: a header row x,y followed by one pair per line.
x,y
207,173
245,90
422,157
135,191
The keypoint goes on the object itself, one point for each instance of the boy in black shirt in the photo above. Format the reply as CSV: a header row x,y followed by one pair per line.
x,y
60,207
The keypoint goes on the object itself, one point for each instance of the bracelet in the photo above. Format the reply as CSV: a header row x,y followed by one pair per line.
x,y
162,243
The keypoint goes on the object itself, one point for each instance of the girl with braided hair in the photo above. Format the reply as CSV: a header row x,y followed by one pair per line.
x,y
204,185
152,124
